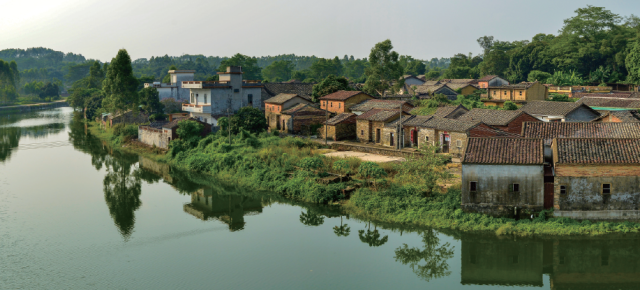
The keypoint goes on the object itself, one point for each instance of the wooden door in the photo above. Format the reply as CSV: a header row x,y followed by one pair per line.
x,y
548,195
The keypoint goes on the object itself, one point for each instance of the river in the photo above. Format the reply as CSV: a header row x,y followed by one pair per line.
x,y
74,214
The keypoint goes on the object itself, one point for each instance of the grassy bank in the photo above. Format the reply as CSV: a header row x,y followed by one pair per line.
x,y
407,193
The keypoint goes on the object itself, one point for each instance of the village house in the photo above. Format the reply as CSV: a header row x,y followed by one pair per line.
x,y
303,119
370,125
427,91
371,104
174,90
596,178
624,116
503,176
491,81
208,203
614,101
109,120
160,134
210,100
451,112
549,111
507,121
340,127
270,90
341,101
412,80
274,107
574,91
517,93
449,135
463,88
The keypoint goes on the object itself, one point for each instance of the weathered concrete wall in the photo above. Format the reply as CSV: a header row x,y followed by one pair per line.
x,y
583,187
152,136
494,196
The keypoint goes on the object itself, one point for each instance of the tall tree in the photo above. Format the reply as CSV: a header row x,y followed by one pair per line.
x,y
120,86
278,71
329,85
384,70
150,101
633,64
249,66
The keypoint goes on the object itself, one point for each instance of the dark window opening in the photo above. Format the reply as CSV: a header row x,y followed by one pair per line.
x,y
606,188
605,261
563,189
236,90
362,132
515,187
473,186
250,98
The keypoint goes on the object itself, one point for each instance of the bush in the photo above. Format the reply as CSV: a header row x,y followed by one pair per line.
x,y
125,130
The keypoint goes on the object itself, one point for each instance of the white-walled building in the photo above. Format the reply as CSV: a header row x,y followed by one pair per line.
x,y
174,89
210,100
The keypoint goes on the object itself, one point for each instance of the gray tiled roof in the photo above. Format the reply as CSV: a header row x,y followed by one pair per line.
x,y
631,103
304,107
417,121
446,110
522,85
340,118
381,104
270,90
504,151
405,119
549,108
490,117
550,130
281,98
445,124
378,115
597,151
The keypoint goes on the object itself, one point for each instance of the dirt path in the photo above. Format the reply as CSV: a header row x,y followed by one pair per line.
x,y
365,156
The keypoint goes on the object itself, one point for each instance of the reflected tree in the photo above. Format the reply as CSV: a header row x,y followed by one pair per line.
x,y
434,254
342,230
311,219
372,238
122,188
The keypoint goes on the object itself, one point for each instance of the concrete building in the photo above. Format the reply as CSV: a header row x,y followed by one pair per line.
x,y
342,101
503,176
210,100
548,111
340,127
174,89
596,178
507,121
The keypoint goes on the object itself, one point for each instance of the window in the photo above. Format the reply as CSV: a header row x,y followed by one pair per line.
x,y
331,104
505,93
236,90
339,105
515,187
250,98
606,188
459,143
426,138
520,93
362,132
473,186
563,189
494,93
205,98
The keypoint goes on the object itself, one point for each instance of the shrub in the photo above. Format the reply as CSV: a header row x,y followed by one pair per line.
x,y
310,163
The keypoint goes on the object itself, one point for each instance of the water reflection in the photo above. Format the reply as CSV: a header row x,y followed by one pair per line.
x,y
311,219
206,204
11,133
122,188
372,238
342,230
434,255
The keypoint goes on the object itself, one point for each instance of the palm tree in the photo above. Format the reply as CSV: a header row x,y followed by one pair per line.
x,y
372,238
342,230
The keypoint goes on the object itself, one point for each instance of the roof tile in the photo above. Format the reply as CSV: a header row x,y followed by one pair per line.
x,y
504,151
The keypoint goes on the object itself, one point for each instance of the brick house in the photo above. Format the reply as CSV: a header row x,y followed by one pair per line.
x,y
367,105
491,81
340,127
518,93
625,116
370,125
560,111
273,108
464,88
270,90
451,112
450,135
160,134
501,176
302,118
427,91
341,101
596,178
507,121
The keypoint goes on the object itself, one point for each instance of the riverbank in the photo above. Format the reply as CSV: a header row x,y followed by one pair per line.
x,y
409,192
33,107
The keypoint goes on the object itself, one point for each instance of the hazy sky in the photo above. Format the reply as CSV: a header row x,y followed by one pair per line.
x,y
423,29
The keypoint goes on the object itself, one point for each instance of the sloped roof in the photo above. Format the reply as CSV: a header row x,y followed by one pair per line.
x,y
445,124
487,78
619,95
548,108
550,130
342,118
429,89
281,98
628,116
341,95
417,121
446,110
458,81
456,86
270,90
515,151
491,117
378,115
597,151
405,119
302,107
522,85
431,83
380,104
631,103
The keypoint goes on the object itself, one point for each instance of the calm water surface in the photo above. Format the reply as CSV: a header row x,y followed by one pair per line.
x,y
75,215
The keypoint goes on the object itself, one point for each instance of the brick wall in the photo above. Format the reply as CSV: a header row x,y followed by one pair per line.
x,y
341,131
515,126
375,126
363,131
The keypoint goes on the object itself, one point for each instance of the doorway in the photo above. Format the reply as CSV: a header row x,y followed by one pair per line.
x,y
377,135
445,140
391,139
548,195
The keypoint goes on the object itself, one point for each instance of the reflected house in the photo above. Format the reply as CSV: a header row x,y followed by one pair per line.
x,y
230,209
501,262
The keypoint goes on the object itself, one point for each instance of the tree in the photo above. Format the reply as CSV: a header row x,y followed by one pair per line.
x,y
540,76
120,86
311,219
342,230
50,91
384,70
560,78
310,163
150,100
250,119
278,71
323,68
433,254
372,238
249,66
509,106
167,77
354,70
189,131
633,64
122,188
87,100
415,68
370,170
96,76
329,85
559,98
342,167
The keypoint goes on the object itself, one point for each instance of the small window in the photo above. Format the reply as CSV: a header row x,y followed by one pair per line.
x,y
606,188
196,95
205,98
563,189
339,105
515,187
561,260
362,132
459,143
520,93
473,186
331,104
236,90
250,98
505,93
426,138
494,93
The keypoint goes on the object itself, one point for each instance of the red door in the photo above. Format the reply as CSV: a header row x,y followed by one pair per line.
x,y
548,195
